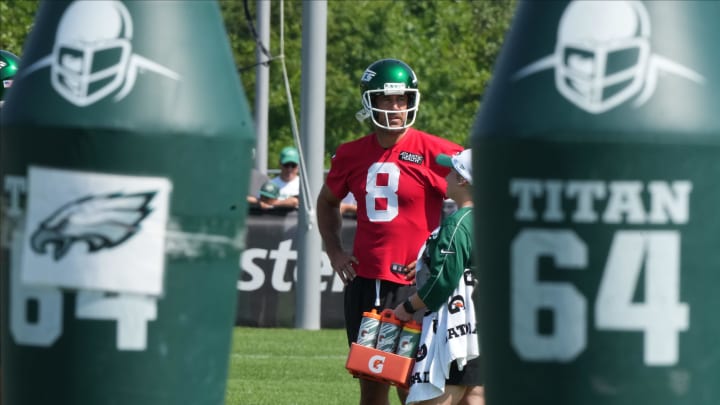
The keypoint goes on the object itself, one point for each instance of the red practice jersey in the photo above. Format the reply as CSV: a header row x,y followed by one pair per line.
x,y
399,193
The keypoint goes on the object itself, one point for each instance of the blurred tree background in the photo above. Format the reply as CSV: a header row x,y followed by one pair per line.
x,y
16,19
451,44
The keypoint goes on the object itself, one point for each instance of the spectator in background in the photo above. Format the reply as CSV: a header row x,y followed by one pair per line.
x,y
287,183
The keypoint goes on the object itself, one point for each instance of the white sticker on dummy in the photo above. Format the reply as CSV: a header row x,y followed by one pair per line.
x,y
94,231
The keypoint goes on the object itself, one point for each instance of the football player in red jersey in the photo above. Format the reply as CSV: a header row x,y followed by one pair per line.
x,y
399,188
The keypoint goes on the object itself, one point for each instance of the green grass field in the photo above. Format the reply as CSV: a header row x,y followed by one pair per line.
x,y
290,366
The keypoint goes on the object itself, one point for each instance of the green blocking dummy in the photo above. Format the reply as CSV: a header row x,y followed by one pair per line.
x,y
597,151
126,137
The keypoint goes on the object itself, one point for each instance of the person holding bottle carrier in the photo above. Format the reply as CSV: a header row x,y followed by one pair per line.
x,y
445,285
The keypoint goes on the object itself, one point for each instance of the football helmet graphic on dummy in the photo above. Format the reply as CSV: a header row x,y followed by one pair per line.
x,y
602,65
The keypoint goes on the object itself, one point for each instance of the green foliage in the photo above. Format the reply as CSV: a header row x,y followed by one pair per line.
x,y
291,366
451,44
16,20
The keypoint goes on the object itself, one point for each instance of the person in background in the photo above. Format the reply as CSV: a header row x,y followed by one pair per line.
x,y
288,182
400,191
445,270
348,206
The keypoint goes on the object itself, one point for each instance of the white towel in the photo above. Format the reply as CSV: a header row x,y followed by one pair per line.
x,y
454,339
427,380
462,338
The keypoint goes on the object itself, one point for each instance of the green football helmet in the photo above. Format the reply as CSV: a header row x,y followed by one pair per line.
x,y
8,69
389,77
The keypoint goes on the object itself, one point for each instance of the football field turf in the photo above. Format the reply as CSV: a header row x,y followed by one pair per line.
x,y
290,366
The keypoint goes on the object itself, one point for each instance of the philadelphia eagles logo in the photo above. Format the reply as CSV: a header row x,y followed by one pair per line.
x,y
102,221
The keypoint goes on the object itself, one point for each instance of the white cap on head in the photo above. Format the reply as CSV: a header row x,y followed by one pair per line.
x,y
461,162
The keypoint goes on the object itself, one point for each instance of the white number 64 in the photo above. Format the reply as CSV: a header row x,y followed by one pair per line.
x,y
661,316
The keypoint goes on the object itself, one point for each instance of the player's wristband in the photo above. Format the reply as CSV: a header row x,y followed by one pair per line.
x,y
407,305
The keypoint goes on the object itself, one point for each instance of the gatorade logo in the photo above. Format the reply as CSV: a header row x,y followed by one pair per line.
x,y
376,363
421,353
457,304
602,56
92,56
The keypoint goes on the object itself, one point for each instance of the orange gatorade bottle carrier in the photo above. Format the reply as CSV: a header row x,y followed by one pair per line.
x,y
372,363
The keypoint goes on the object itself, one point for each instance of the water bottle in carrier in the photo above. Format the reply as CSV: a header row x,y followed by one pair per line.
x,y
409,339
368,333
390,328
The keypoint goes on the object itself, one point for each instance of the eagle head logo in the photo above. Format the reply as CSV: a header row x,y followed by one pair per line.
x,y
101,221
